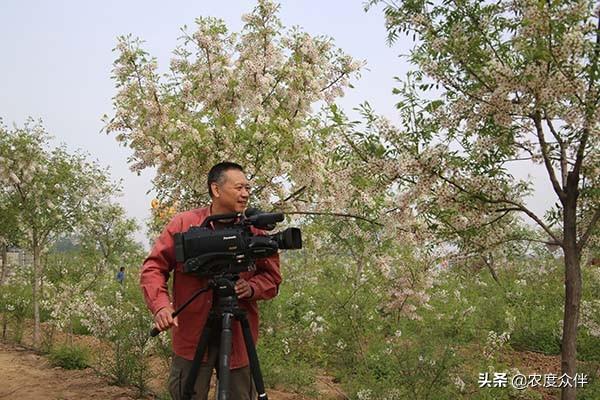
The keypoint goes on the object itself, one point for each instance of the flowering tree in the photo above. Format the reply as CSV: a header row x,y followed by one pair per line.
x,y
245,97
104,242
107,234
518,82
53,190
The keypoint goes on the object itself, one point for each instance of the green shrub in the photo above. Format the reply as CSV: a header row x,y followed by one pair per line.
x,y
79,328
399,369
286,371
590,390
69,357
588,347
15,305
126,332
537,302
538,337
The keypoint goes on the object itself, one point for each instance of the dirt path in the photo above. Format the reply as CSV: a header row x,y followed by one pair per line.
x,y
25,375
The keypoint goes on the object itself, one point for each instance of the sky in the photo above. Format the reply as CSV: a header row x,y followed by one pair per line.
x,y
57,59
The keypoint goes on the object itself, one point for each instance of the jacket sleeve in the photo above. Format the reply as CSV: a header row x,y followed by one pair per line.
x,y
157,266
267,278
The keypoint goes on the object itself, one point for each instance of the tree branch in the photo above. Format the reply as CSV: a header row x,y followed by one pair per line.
x,y
521,207
564,162
491,269
294,195
336,215
333,82
138,76
537,120
483,34
557,62
263,102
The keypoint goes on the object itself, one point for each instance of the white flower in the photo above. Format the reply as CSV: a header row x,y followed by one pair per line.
x,y
364,394
309,315
459,383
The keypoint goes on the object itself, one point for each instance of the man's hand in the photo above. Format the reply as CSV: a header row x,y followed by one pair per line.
x,y
163,319
243,289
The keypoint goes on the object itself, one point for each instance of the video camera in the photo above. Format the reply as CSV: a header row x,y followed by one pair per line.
x,y
232,249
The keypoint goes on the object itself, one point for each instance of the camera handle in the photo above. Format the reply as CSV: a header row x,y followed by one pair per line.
x,y
219,217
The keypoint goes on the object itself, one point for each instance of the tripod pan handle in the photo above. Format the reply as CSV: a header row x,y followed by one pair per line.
x,y
154,332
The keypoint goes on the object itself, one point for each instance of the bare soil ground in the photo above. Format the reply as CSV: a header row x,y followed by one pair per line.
x,y
27,375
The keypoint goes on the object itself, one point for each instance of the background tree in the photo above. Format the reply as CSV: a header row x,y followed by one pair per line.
x,y
516,81
245,97
109,234
53,190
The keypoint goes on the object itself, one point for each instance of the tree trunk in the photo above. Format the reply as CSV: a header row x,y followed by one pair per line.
x,y
36,292
70,335
573,285
4,273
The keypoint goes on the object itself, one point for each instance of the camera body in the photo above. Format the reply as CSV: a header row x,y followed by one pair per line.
x,y
234,248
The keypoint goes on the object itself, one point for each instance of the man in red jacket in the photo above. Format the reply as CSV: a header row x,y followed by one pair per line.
x,y
229,191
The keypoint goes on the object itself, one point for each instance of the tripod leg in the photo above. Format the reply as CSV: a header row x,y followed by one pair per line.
x,y
253,358
224,353
188,389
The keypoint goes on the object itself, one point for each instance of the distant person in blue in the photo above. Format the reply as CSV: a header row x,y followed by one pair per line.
x,y
121,275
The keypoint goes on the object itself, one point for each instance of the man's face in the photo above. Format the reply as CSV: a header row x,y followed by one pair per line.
x,y
232,195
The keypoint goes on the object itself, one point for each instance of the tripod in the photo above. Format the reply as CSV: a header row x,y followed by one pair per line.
x,y
224,308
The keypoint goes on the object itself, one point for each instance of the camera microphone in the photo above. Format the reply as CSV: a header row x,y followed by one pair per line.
x,y
262,220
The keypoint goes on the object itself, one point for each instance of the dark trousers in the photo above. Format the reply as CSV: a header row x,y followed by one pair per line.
x,y
241,384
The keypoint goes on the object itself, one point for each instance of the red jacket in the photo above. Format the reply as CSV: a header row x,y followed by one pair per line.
x,y
155,274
